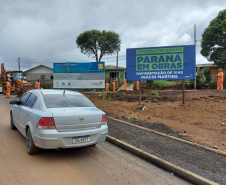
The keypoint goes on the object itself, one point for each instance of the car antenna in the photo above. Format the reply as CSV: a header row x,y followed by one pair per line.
x,y
64,93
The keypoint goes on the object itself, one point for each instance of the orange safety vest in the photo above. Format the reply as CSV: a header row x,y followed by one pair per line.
x,y
114,87
138,85
37,85
8,89
125,85
107,86
220,80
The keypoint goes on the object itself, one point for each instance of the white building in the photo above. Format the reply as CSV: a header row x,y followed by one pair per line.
x,y
42,73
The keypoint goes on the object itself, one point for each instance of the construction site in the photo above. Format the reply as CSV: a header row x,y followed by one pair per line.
x,y
201,118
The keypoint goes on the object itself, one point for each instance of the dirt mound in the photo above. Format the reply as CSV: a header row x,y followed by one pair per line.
x,y
147,96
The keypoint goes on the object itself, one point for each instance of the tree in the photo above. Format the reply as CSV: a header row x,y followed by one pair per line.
x,y
214,40
97,43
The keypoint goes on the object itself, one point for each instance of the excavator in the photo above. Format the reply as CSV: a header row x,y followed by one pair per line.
x,y
18,83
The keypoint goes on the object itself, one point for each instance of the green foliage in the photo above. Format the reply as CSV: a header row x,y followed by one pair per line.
x,y
118,94
150,83
214,40
161,83
203,77
207,74
200,80
95,42
47,86
155,93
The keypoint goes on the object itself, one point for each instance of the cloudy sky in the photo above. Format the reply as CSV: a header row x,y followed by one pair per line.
x,y
44,31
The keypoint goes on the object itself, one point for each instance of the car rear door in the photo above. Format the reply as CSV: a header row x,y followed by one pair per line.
x,y
27,110
20,113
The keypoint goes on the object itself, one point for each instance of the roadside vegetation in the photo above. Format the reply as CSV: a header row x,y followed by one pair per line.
x,y
161,83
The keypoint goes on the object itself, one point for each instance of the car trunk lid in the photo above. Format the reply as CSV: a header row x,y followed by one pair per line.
x,y
77,118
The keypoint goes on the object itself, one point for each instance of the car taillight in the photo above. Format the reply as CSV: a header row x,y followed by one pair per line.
x,y
104,119
46,123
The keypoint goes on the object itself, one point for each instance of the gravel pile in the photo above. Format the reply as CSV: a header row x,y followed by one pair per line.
x,y
200,161
160,127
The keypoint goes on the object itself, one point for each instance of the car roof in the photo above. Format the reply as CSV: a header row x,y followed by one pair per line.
x,y
55,91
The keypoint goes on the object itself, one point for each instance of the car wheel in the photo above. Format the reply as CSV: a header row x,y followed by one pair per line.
x,y
12,126
31,148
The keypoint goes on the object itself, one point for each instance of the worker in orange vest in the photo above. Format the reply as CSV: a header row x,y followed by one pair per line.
x,y
107,86
37,84
220,79
125,87
114,85
8,89
138,85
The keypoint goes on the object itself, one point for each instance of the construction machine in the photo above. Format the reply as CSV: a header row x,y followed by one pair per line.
x,y
18,83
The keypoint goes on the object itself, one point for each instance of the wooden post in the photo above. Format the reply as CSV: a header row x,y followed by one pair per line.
x,y
183,92
139,92
103,94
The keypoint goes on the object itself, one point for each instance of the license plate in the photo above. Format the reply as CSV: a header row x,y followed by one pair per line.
x,y
81,139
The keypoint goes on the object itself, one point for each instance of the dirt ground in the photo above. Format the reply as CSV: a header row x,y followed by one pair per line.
x,y
104,164
202,118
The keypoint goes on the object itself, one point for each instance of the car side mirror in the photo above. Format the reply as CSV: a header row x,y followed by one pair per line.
x,y
14,102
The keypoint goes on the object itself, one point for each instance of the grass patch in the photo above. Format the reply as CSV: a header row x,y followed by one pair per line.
x,y
118,94
47,86
161,83
155,93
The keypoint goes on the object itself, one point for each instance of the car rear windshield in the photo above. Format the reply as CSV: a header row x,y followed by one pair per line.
x,y
67,100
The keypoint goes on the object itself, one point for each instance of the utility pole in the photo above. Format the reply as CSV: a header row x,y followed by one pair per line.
x,y
19,63
117,77
117,61
195,54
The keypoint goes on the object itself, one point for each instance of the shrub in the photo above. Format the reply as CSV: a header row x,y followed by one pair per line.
x,y
207,74
150,83
47,86
200,80
155,93
161,83
118,94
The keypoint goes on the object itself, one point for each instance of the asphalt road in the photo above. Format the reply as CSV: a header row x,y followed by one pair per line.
x,y
103,164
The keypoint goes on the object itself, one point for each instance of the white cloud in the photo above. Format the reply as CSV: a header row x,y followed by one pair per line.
x,y
45,31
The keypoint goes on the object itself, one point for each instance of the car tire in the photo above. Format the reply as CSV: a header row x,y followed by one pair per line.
x,y
12,126
30,146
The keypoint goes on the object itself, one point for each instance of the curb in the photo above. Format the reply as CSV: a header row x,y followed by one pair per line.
x,y
171,137
178,171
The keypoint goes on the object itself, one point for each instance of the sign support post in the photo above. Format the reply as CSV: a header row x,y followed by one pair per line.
x,y
103,94
195,55
183,92
139,92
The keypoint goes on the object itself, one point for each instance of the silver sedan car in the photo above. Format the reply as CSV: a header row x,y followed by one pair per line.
x,y
55,119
